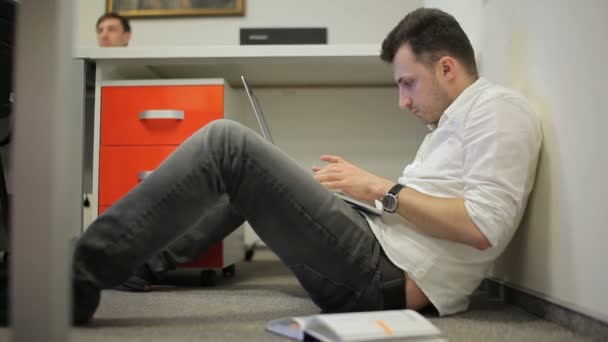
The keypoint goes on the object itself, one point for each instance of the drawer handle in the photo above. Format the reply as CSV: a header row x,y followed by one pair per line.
x,y
162,114
143,174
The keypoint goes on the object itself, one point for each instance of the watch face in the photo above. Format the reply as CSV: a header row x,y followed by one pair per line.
x,y
389,202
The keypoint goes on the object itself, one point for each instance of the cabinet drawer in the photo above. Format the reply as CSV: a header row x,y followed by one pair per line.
x,y
121,168
157,115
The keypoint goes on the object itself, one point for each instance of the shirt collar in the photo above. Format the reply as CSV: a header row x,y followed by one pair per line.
x,y
465,97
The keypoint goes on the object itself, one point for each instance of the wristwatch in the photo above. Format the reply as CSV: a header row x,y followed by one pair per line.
x,y
390,202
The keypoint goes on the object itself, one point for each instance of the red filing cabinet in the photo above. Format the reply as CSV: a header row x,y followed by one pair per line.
x,y
141,123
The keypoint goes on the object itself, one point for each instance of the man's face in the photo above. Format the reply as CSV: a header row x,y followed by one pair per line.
x,y
111,33
420,90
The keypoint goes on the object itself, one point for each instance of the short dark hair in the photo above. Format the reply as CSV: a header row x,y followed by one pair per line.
x,y
112,15
430,34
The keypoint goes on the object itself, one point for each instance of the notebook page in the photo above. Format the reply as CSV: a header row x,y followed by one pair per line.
x,y
361,326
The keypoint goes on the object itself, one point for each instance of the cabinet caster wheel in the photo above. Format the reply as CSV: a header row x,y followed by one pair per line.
x,y
208,278
228,272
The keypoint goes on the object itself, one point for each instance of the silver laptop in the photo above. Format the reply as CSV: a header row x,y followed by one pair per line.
x,y
266,133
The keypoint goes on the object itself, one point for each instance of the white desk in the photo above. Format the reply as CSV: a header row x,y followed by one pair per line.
x,y
288,65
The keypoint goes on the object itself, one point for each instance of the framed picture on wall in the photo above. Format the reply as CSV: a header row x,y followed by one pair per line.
x,y
169,8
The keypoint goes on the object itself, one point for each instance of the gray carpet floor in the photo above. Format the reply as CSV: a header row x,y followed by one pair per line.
x,y
238,308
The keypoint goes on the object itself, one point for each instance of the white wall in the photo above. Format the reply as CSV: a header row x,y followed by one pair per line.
x,y
363,125
347,21
554,52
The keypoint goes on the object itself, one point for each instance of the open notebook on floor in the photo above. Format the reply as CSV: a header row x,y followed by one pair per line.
x,y
377,209
390,325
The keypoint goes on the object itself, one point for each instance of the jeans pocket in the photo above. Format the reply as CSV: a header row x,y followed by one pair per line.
x,y
329,295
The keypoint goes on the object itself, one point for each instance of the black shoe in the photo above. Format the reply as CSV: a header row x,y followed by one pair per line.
x,y
85,301
141,281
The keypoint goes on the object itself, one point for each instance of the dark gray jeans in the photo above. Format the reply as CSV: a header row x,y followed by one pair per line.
x,y
225,174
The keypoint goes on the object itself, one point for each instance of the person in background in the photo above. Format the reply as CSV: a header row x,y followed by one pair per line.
x,y
113,30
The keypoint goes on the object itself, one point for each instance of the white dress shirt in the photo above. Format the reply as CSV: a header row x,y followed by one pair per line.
x,y
484,149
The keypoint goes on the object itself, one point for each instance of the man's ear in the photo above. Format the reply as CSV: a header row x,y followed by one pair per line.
x,y
447,67
128,38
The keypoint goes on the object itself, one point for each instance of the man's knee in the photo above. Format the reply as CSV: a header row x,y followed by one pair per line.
x,y
224,127
223,132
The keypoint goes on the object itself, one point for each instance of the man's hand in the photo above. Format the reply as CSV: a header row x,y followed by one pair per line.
x,y
350,179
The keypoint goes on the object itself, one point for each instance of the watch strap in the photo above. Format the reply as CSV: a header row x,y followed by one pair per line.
x,y
395,189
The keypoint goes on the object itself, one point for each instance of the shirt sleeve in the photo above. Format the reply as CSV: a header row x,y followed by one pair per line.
x,y
501,141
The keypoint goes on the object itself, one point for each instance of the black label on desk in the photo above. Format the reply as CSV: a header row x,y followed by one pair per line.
x,y
266,36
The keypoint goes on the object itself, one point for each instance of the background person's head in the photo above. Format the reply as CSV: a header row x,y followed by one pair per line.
x,y
433,61
113,30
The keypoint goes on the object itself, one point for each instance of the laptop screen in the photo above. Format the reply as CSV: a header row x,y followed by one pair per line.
x,y
258,111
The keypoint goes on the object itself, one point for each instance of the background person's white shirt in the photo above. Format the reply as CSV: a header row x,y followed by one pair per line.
x,y
485,149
